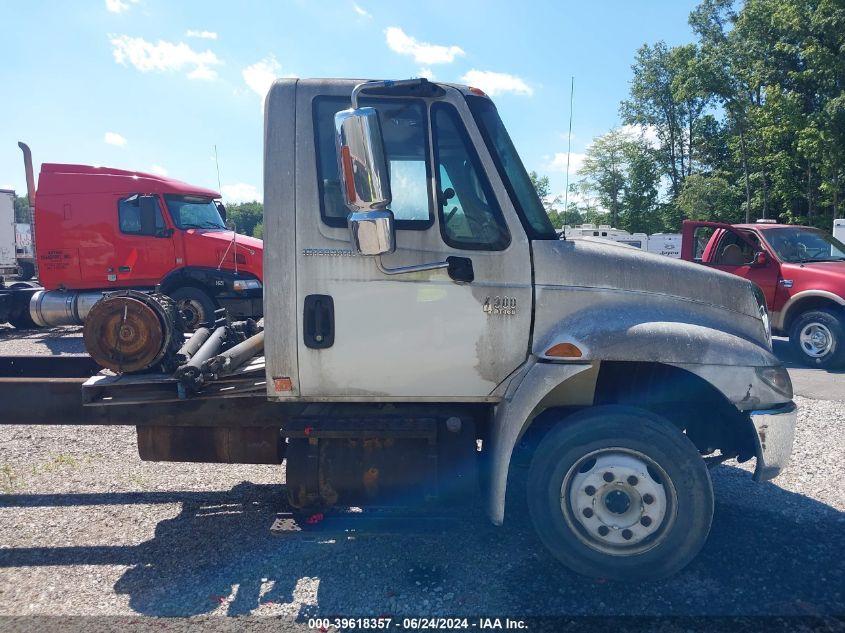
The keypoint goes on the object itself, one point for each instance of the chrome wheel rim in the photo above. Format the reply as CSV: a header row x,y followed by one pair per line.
x,y
816,340
618,501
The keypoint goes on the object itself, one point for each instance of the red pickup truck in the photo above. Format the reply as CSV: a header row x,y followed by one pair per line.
x,y
801,271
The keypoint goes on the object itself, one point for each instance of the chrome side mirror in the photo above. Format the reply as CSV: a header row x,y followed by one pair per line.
x,y
372,232
361,160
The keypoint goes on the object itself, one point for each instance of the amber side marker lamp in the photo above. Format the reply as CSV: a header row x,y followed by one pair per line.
x,y
564,350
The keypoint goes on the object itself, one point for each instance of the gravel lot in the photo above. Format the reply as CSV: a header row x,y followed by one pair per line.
x,y
87,528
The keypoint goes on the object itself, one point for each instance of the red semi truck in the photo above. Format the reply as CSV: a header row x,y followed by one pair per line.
x,y
99,229
801,271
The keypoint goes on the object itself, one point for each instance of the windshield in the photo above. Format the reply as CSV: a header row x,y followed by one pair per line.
x,y
194,212
800,244
511,170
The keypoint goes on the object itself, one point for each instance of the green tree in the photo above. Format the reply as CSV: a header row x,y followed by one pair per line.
x,y
22,209
246,216
709,198
541,184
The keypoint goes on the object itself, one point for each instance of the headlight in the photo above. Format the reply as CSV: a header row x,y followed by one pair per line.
x,y
239,285
777,378
764,312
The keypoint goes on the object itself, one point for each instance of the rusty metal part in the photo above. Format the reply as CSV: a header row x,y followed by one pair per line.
x,y
193,344
190,374
388,461
218,445
231,359
131,331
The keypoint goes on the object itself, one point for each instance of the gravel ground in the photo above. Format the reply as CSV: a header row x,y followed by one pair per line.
x,y
86,528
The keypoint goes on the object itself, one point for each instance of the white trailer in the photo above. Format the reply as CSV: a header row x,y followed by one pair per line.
x,y
839,230
668,244
8,263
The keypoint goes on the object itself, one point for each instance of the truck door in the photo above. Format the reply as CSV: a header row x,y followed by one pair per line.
x,y
143,253
419,335
736,251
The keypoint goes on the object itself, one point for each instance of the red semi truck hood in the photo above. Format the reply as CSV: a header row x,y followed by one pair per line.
x,y
208,248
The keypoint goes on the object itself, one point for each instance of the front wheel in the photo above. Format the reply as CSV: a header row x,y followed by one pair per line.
x,y
818,337
196,306
620,493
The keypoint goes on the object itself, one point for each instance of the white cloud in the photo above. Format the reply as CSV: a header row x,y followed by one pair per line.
x,y
113,138
427,73
240,192
648,133
119,6
497,83
203,35
261,75
361,11
163,57
423,53
558,162
158,169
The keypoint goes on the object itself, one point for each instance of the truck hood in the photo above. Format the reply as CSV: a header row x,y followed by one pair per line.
x,y
598,264
828,276
208,248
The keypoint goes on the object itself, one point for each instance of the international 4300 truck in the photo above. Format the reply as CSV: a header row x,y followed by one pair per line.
x,y
422,320
99,229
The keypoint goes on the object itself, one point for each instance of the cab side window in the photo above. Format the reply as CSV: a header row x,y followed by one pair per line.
x,y
735,251
470,217
405,133
129,216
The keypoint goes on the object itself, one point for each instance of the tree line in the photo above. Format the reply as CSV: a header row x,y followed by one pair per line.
x,y
747,122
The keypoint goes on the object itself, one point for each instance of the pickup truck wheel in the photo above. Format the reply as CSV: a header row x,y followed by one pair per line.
x,y
196,306
818,337
620,493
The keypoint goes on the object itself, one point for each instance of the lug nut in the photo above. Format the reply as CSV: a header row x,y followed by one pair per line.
x,y
608,477
590,490
633,480
603,530
588,512
646,521
648,499
627,534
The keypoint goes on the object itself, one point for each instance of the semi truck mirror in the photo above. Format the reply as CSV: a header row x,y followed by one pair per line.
x,y
372,232
361,160
220,209
148,206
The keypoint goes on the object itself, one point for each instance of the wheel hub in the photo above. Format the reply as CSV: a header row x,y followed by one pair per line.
x,y
816,340
617,501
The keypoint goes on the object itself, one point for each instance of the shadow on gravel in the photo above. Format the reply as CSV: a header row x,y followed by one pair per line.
x,y
770,552
57,340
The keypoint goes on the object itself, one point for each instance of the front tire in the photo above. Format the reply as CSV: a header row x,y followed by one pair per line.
x,y
196,306
620,493
818,338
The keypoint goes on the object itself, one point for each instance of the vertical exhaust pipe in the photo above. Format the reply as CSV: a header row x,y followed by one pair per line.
x,y
30,192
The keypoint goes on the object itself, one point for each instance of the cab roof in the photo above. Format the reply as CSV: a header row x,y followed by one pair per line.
x,y
70,178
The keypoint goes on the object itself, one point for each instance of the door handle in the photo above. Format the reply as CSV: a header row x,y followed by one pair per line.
x,y
318,321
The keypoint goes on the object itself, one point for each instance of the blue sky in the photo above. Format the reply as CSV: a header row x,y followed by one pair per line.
x,y
153,85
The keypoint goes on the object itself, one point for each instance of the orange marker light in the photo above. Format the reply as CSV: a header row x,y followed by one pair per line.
x,y
564,350
478,91
283,384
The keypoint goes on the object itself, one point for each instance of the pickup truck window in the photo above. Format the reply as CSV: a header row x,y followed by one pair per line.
x,y
799,244
511,170
129,216
405,132
735,251
470,217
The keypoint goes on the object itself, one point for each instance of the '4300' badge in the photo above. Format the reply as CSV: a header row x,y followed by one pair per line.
x,y
500,305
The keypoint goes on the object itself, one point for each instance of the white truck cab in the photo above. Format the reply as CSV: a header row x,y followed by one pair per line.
x,y
412,271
